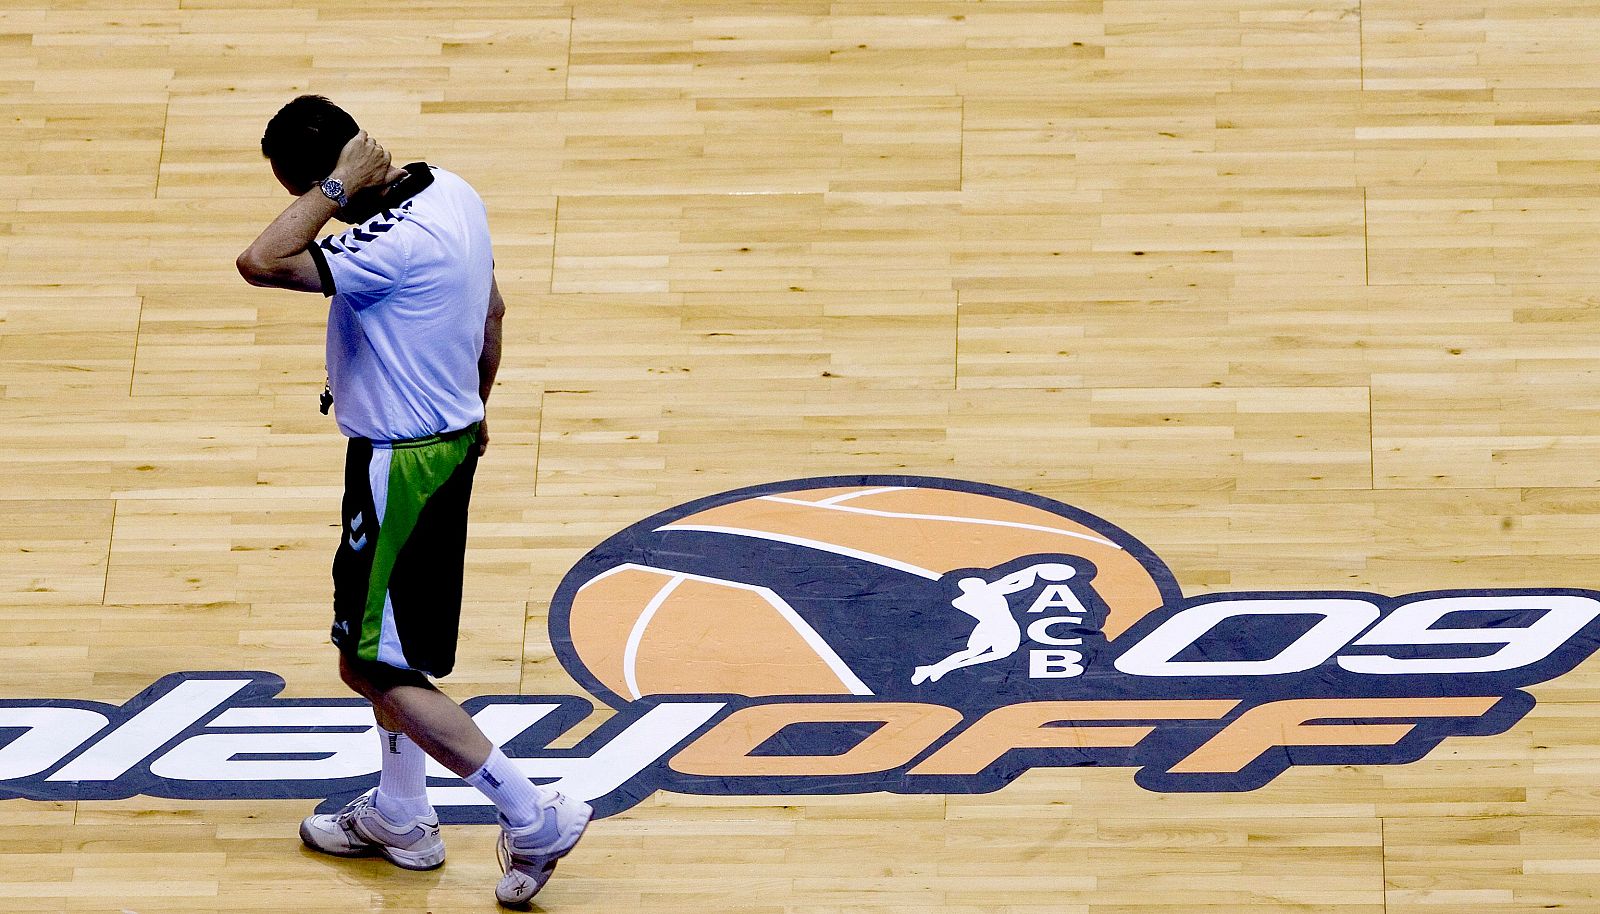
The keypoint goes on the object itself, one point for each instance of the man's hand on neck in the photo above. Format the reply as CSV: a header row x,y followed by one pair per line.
x,y
363,164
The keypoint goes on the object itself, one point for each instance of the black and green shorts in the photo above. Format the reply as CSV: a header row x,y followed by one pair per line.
x,y
397,574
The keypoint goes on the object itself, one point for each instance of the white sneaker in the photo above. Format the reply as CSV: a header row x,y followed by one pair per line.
x,y
528,856
359,829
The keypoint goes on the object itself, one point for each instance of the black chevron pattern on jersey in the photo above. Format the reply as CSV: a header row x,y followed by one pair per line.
x,y
352,239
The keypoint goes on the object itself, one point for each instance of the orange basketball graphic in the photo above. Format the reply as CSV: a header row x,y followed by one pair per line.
x,y
830,586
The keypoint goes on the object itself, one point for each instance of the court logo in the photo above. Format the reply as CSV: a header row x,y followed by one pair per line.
x,y
872,633
924,590
912,634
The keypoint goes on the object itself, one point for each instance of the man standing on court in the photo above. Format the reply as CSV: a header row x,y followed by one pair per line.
x,y
413,347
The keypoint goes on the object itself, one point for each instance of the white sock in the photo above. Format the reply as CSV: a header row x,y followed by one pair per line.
x,y
518,799
403,786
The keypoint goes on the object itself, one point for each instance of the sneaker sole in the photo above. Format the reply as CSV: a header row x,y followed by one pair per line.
x,y
408,860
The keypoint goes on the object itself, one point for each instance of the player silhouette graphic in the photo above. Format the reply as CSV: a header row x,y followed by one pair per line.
x,y
997,634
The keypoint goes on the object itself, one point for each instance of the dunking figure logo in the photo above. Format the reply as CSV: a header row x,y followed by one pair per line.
x,y
997,634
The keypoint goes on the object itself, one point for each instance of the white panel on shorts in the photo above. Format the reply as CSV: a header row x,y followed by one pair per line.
x,y
378,478
389,638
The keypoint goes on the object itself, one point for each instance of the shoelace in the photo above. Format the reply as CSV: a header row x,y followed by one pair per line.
x,y
354,808
346,818
503,850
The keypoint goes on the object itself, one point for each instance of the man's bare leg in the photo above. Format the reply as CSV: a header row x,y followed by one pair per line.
x,y
408,703
405,701
539,825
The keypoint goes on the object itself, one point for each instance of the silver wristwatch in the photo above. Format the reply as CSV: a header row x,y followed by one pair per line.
x,y
333,189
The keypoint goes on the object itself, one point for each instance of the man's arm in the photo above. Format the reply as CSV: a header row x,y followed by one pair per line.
x,y
278,258
489,361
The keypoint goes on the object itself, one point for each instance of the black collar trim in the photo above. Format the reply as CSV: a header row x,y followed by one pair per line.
x,y
419,175
418,178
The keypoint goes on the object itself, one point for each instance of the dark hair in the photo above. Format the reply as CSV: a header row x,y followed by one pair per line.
x,y
304,138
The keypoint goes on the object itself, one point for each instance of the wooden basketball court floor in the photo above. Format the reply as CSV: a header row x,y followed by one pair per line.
x,y
1299,293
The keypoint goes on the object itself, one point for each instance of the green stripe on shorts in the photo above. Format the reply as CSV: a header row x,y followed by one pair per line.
x,y
416,470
